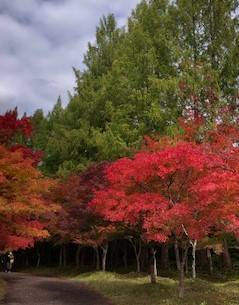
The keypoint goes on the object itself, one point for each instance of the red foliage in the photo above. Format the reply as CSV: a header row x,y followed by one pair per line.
x,y
173,192
28,153
76,221
191,128
10,125
23,204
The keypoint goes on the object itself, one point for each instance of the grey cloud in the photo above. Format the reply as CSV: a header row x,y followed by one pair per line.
x,y
40,42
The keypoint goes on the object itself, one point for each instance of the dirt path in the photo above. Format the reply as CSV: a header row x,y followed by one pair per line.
x,y
25,289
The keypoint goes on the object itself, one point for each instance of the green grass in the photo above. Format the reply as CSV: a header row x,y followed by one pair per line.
x,y
127,289
131,289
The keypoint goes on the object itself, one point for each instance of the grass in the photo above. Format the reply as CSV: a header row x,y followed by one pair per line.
x,y
127,289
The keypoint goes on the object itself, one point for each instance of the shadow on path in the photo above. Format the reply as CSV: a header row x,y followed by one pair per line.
x,y
25,289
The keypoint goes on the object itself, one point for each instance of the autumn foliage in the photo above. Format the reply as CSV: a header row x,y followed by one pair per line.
x,y
11,125
77,222
181,191
23,189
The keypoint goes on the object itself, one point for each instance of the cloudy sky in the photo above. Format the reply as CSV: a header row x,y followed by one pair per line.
x,y
40,42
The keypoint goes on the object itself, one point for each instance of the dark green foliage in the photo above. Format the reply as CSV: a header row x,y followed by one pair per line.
x,y
130,86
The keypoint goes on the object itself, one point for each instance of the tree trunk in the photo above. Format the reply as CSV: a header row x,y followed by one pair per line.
x,y
64,255
38,259
164,256
182,275
137,252
181,282
138,264
60,257
226,255
209,256
153,266
82,258
177,256
77,257
194,246
125,256
27,261
97,256
186,265
49,255
104,255
115,258
202,259
144,258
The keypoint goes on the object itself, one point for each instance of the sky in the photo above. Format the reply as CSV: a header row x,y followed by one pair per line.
x,y
41,40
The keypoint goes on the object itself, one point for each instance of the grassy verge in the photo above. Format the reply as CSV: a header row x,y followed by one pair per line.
x,y
126,289
130,289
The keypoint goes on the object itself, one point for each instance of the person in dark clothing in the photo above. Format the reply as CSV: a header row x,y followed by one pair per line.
x,y
4,262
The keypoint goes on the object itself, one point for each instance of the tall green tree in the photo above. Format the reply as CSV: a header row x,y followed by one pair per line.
x,y
208,32
173,56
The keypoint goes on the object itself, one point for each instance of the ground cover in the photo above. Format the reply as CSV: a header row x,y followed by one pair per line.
x,y
125,289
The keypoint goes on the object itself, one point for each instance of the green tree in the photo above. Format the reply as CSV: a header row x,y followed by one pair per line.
x,y
135,78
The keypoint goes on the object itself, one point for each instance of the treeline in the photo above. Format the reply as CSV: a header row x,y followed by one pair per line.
x,y
177,192
145,154
171,57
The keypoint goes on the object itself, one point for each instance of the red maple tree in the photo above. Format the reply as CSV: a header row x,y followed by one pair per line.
x,y
24,206
164,189
77,221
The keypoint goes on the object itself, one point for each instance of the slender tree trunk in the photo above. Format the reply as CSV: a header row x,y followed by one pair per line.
x,y
137,252
77,257
104,255
64,255
202,259
82,258
212,34
209,256
49,254
164,256
153,266
186,265
27,260
182,275
144,258
226,255
114,258
194,246
60,257
138,263
177,256
38,259
181,282
117,262
97,256
125,256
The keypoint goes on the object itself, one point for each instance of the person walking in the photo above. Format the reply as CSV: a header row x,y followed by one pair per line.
x,y
10,261
4,262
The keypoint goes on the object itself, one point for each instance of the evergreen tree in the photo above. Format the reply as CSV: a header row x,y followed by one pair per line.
x,y
172,57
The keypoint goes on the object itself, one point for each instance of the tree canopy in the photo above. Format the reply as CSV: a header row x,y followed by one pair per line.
x,y
171,57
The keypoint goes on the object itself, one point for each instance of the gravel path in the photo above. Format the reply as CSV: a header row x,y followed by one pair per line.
x,y
25,289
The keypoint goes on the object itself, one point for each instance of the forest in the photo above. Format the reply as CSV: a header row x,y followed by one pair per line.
x,y
139,172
